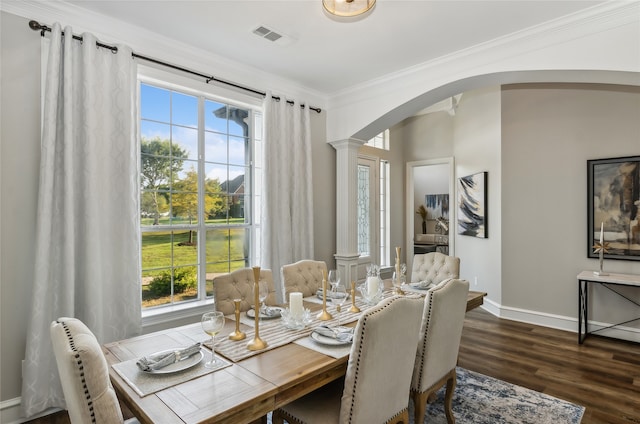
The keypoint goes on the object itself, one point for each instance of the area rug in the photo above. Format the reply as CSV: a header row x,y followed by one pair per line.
x,y
480,399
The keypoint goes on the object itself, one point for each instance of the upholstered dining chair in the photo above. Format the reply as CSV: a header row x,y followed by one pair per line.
x,y
84,374
376,384
440,332
434,267
239,284
304,276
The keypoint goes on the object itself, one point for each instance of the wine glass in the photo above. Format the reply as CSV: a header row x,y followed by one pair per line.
x,y
263,292
339,295
334,278
212,324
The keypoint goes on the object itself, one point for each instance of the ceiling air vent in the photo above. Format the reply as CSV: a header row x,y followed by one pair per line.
x,y
267,33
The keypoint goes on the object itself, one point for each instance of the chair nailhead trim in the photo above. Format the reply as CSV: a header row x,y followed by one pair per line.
x,y
72,345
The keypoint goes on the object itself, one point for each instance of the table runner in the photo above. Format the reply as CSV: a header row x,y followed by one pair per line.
x,y
276,334
145,383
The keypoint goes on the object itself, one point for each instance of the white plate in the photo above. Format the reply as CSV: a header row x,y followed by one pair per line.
x,y
330,341
275,314
180,365
330,295
421,286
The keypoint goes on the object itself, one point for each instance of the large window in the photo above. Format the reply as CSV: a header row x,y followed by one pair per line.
x,y
198,192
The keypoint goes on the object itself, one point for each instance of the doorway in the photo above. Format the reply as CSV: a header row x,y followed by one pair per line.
x,y
430,184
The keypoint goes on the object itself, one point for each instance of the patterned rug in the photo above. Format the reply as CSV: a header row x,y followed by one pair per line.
x,y
480,399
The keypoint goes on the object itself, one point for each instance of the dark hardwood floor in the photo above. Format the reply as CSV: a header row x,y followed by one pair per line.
x,y
602,374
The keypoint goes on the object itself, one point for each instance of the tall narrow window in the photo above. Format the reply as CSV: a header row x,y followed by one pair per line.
x,y
364,211
197,192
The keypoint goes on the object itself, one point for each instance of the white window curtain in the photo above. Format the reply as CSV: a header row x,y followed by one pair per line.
x,y
287,207
87,259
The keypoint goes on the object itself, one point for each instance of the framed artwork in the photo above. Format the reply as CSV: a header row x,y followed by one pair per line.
x,y
437,206
472,205
613,200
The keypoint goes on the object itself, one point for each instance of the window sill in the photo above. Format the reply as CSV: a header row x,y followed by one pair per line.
x,y
164,316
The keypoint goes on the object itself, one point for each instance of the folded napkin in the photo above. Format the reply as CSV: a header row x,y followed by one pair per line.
x,y
162,359
344,334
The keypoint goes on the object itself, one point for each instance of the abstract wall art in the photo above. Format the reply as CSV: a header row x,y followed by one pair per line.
x,y
472,205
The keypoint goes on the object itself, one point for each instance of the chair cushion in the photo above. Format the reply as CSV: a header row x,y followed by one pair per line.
x,y
434,267
303,276
84,374
239,284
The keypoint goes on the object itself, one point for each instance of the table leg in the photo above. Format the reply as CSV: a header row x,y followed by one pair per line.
x,y
583,309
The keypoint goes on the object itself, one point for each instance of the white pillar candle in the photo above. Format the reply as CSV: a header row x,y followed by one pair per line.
x,y
372,286
295,304
601,232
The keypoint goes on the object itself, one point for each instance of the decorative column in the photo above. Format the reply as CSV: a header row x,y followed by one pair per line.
x,y
347,208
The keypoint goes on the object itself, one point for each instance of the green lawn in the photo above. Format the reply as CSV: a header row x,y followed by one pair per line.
x,y
224,253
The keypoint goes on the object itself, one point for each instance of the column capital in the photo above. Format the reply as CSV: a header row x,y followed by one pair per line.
x,y
349,143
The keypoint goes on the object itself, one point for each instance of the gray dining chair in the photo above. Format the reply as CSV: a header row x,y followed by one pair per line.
x,y
434,267
304,276
445,306
378,376
84,374
239,284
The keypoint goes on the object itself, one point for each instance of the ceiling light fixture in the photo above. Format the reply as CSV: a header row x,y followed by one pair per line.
x,y
347,8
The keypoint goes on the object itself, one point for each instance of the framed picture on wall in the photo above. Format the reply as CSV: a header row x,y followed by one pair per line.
x,y
613,200
472,205
437,206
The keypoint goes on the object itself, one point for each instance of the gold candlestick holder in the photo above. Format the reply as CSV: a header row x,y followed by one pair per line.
x,y
353,308
257,343
237,335
324,315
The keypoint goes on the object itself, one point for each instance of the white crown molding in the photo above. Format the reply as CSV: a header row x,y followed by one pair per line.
x,y
598,18
157,46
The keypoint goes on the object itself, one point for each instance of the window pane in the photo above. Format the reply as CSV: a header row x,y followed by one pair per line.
x,y
215,116
238,122
238,151
227,249
161,282
363,210
216,172
184,142
155,104
155,130
215,147
184,110
215,208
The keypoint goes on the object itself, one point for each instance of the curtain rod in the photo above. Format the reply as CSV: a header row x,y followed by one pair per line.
x,y
36,26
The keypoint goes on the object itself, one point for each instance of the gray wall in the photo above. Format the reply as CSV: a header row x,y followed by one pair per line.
x,y
534,140
20,160
20,156
548,134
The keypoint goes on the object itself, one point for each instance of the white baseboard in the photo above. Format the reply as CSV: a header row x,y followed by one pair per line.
x,y
560,322
11,413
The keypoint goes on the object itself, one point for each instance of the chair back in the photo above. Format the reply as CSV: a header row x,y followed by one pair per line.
x,y
434,267
84,374
304,276
239,284
440,332
378,375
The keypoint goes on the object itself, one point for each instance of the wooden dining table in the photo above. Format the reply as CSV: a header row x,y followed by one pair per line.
x,y
242,392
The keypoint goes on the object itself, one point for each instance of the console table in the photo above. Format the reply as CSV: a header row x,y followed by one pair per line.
x,y
608,281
